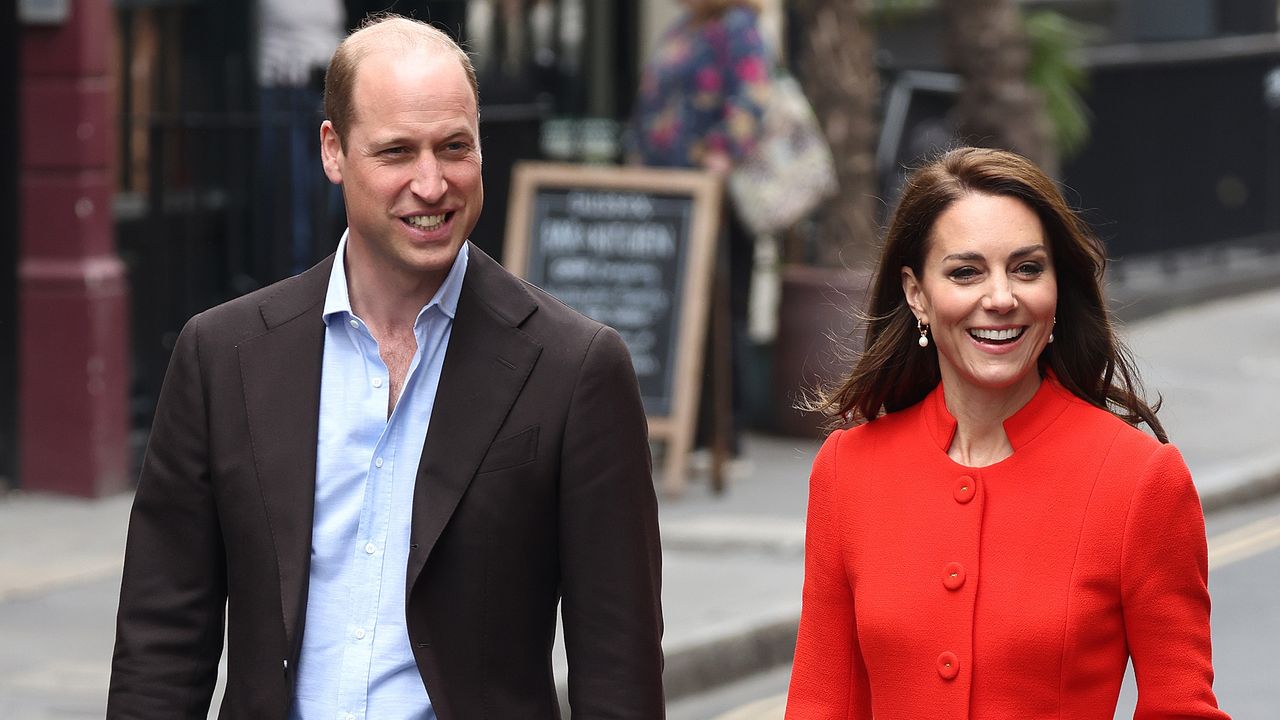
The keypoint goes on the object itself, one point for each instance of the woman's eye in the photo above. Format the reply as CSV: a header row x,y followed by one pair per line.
x,y
963,273
1030,269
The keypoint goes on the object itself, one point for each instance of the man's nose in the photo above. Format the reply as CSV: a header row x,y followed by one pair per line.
x,y
428,180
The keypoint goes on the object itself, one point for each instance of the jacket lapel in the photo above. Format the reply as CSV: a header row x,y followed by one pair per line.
x,y
280,370
485,367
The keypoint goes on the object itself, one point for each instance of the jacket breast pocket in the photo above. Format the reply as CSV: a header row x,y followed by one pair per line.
x,y
510,451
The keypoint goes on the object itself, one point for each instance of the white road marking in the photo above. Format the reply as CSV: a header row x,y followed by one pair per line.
x,y
1244,542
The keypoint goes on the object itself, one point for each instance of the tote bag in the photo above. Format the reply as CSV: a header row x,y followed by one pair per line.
x,y
790,171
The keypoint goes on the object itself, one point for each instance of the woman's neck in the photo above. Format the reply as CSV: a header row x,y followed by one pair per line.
x,y
980,438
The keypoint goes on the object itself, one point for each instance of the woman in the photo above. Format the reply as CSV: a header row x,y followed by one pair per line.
x,y
996,539
702,93
700,105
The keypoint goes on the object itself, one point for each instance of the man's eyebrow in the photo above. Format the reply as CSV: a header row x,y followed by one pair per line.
x,y
461,134
388,140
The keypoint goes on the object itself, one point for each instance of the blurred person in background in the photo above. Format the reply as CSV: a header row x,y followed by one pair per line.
x,y
995,538
700,105
296,38
382,476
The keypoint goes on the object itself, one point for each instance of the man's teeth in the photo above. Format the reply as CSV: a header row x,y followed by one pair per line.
x,y
425,222
1009,334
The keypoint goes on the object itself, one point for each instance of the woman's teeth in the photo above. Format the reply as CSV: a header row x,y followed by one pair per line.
x,y
426,222
1005,335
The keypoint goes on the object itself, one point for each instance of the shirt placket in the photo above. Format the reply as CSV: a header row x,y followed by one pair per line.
x,y
371,539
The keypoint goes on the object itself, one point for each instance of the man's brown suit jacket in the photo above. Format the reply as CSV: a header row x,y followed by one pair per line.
x,y
534,488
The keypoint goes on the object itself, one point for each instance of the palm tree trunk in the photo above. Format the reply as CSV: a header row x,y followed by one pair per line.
x,y
997,107
840,80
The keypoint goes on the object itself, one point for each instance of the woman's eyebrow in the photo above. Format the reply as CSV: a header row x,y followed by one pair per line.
x,y
1025,251
972,256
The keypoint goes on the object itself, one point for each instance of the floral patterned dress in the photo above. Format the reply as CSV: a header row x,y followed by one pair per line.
x,y
703,90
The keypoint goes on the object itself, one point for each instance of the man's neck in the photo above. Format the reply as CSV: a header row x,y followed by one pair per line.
x,y
386,301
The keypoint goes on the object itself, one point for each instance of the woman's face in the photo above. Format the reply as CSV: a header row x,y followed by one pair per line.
x,y
988,292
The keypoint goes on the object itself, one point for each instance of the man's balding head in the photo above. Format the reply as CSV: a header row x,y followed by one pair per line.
x,y
379,33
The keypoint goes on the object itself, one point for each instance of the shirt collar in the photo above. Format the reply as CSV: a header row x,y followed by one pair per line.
x,y
338,297
1049,402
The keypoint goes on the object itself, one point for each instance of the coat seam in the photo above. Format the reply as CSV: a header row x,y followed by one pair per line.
x,y
1075,565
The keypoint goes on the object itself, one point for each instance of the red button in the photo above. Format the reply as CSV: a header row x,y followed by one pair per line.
x,y
966,488
953,576
948,666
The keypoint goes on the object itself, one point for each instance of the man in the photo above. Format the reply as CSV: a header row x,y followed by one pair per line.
x,y
389,468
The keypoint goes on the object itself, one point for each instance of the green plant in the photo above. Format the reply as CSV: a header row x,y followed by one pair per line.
x,y
1056,72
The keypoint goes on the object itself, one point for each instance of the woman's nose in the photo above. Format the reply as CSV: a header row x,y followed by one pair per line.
x,y
999,296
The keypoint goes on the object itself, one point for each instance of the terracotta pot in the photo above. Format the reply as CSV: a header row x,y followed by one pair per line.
x,y
818,332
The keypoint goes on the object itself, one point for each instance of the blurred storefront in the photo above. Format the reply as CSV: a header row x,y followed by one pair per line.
x,y
557,78
1185,148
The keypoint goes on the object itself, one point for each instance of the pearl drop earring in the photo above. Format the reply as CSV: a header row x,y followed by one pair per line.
x,y
924,334
1055,324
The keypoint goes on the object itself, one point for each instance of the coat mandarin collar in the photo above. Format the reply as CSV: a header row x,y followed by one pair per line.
x,y
1049,402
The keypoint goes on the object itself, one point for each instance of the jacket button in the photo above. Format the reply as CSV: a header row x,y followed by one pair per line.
x,y
966,488
953,576
948,665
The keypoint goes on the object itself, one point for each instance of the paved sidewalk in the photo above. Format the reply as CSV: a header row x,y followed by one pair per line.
x,y
733,565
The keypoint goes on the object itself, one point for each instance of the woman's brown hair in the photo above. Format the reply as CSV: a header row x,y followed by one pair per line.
x,y
893,372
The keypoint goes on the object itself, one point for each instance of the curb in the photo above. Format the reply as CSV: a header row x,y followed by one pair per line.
x,y
698,666
1262,482
1141,286
701,666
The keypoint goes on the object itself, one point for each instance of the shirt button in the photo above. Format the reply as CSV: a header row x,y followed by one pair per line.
x,y
355,323
966,488
377,382
349,716
378,462
360,633
369,548
953,576
948,665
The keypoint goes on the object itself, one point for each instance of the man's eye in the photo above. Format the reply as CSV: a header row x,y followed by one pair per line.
x,y
394,151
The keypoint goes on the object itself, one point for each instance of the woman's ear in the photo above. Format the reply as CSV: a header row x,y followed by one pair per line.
x,y
914,294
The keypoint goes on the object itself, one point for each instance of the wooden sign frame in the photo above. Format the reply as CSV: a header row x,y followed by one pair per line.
x,y
676,428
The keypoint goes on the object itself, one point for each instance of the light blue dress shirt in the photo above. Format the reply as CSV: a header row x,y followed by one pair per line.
x,y
356,661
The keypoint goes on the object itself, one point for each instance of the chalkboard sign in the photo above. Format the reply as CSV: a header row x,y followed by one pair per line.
x,y
632,248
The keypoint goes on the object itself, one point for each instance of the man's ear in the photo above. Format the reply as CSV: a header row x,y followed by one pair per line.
x,y
331,152
914,294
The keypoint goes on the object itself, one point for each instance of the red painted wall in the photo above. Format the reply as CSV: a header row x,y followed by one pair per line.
x,y
73,299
